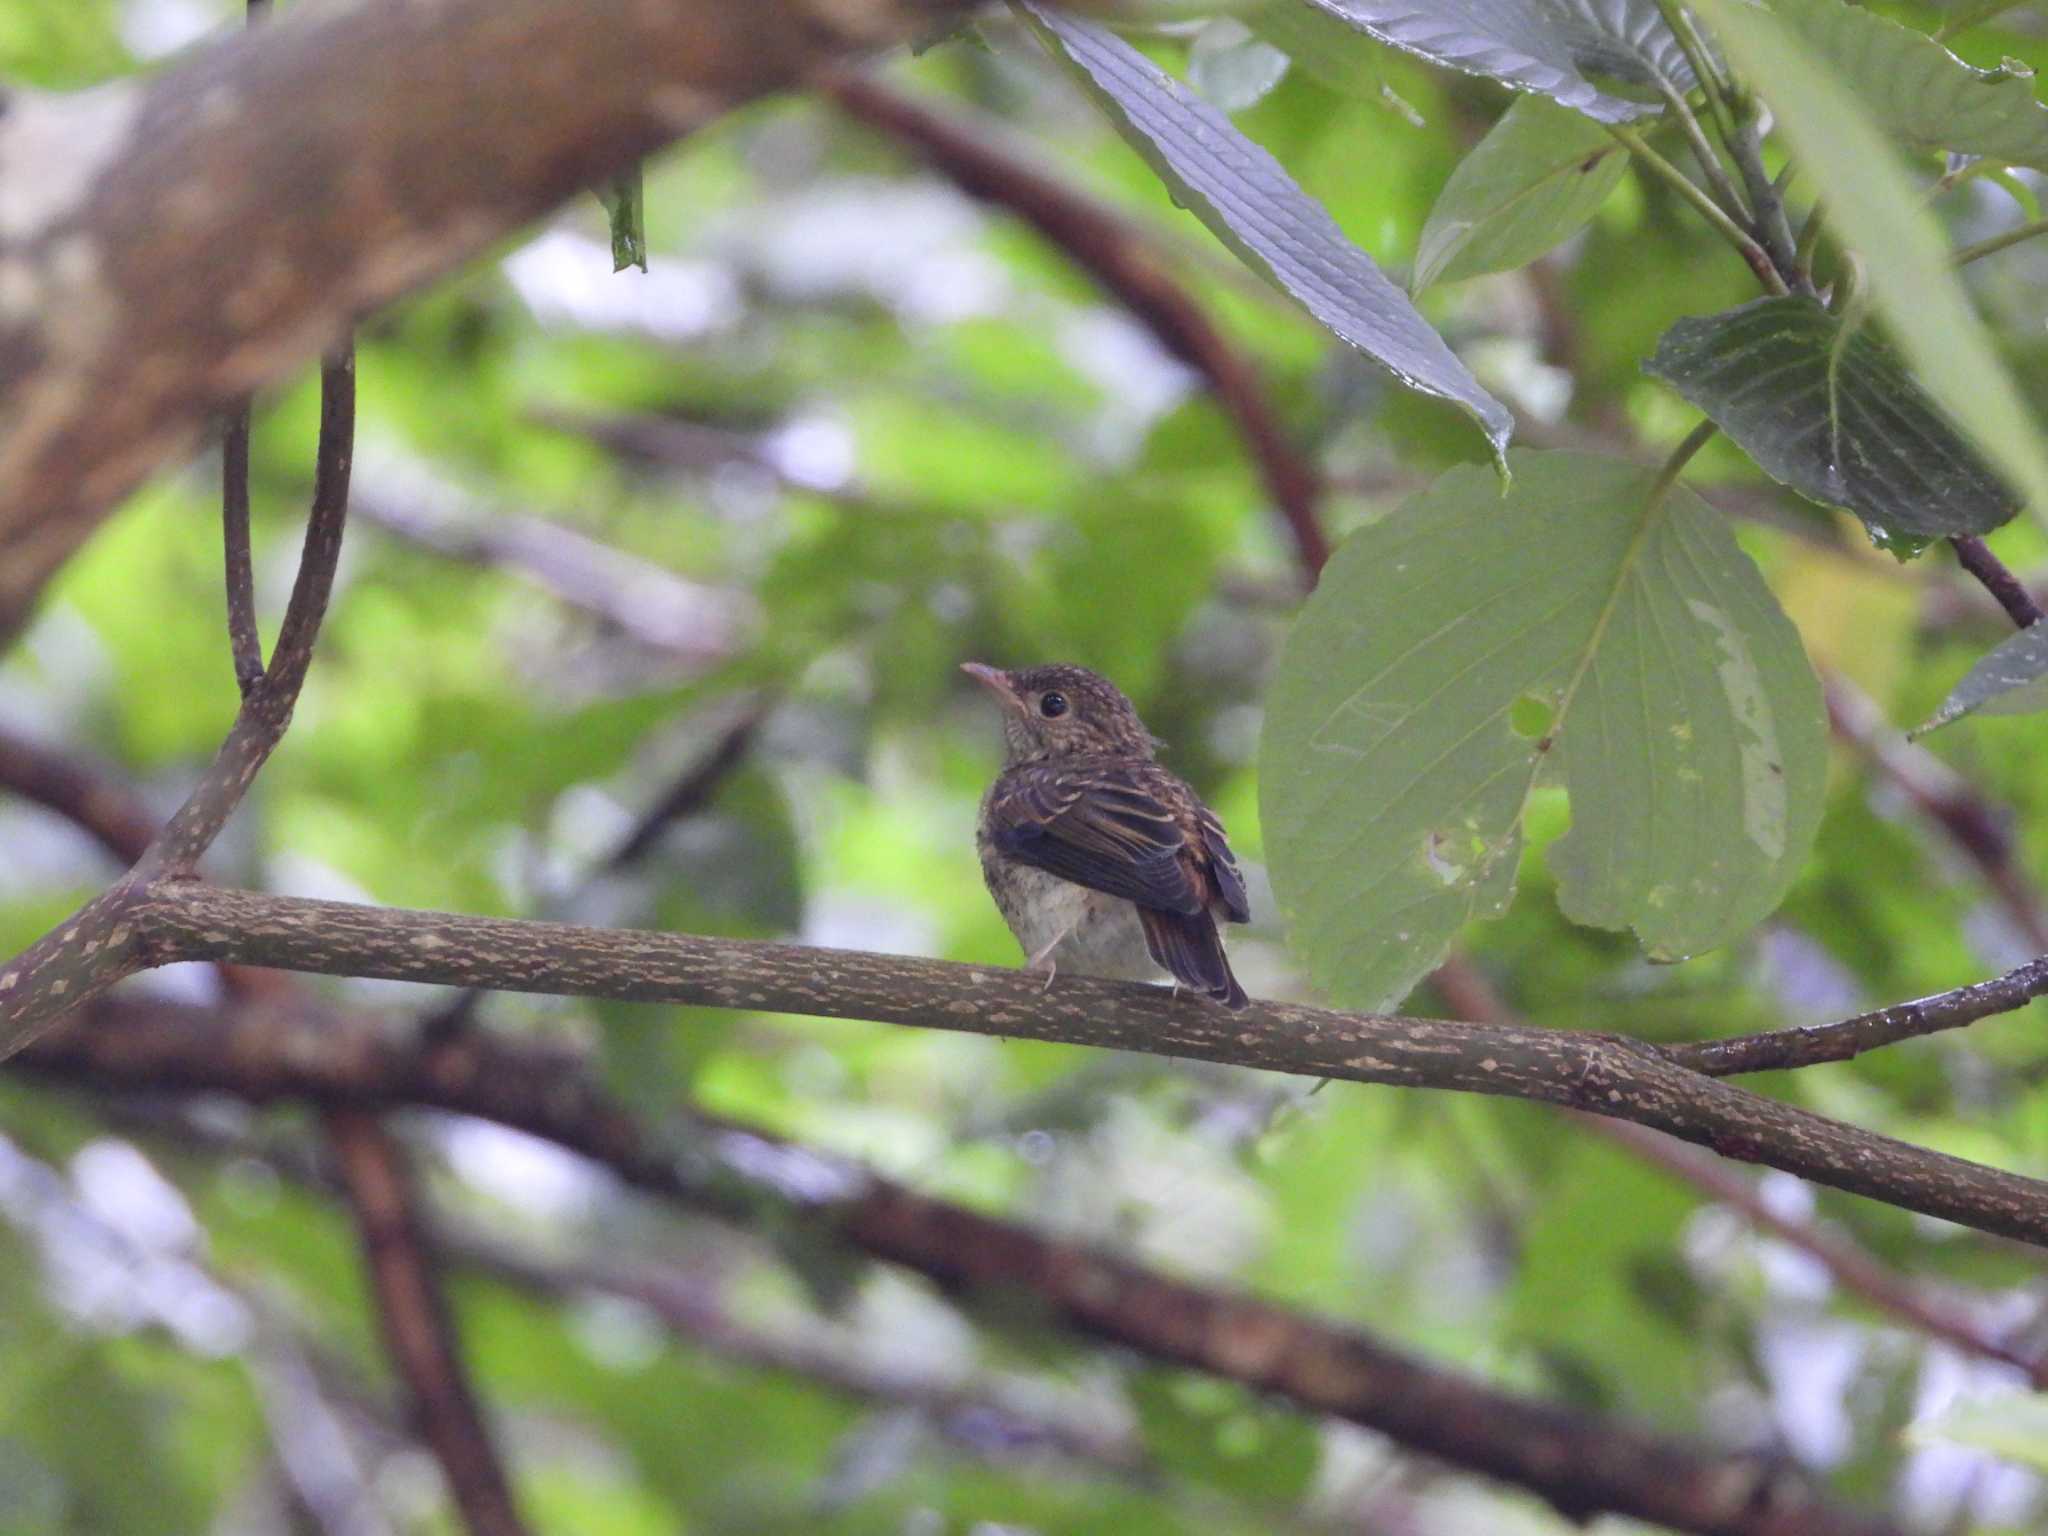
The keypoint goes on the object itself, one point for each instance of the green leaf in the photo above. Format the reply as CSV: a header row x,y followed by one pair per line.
x,y
1581,53
1255,208
1932,99
626,207
1879,212
1467,643
1540,173
1829,409
2011,1427
1334,55
2007,680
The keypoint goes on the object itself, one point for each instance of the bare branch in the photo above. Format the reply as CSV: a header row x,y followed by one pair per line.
x,y
418,1332
245,645
1582,1464
1604,1074
1780,1050
1120,257
268,703
1975,556
420,135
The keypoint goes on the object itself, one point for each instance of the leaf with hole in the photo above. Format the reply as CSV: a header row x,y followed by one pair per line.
x,y
1825,406
1539,174
2010,679
1468,646
1609,59
1878,211
1255,208
1932,99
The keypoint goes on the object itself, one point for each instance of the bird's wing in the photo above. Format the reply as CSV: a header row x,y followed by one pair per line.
x,y
1130,829
1223,870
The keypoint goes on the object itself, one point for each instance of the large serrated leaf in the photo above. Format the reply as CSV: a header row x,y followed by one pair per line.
x,y
2009,679
1456,649
1828,408
1932,99
1879,212
1253,206
1580,53
1540,173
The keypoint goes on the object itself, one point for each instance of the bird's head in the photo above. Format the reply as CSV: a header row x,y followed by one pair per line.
x,y
1063,711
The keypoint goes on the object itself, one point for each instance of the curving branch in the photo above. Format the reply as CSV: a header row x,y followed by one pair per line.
x,y
1127,263
131,306
1582,1464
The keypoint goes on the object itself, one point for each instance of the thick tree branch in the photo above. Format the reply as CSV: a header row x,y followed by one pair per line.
x,y
131,306
418,1332
1120,257
1581,1464
1603,1074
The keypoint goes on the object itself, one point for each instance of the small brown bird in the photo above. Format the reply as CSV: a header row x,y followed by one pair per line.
x,y
1100,859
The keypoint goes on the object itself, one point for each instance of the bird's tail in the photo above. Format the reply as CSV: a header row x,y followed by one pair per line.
x,y
1192,950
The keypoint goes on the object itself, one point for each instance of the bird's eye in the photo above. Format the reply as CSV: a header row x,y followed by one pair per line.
x,y
1053,705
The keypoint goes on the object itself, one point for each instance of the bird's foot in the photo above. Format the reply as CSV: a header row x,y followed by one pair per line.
x,y
1041,959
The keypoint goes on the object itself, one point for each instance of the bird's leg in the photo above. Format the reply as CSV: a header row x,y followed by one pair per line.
x,y
1041,959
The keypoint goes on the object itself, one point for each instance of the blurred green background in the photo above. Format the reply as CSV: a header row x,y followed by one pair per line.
x,y
849,430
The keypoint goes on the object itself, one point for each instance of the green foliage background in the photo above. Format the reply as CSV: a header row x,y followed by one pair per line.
x,y
912,434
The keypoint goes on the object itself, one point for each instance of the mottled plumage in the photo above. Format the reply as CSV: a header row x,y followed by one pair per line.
x,y
1100,859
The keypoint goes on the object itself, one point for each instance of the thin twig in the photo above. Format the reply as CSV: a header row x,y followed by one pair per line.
x,y
1997,578
267,709
1745,245
1782,1050
1125,262
243,641
1991,245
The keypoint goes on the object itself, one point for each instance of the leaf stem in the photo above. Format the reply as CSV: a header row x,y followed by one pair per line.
x,y
1681,456
1702,151
1758,258
1704,67
1999,242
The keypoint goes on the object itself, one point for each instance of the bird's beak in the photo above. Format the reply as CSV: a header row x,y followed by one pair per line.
x,y
995,680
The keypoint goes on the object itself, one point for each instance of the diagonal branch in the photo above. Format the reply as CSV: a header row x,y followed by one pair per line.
x,y
418,1332
1780,1050
1603,1074
1582,1464
1121,258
